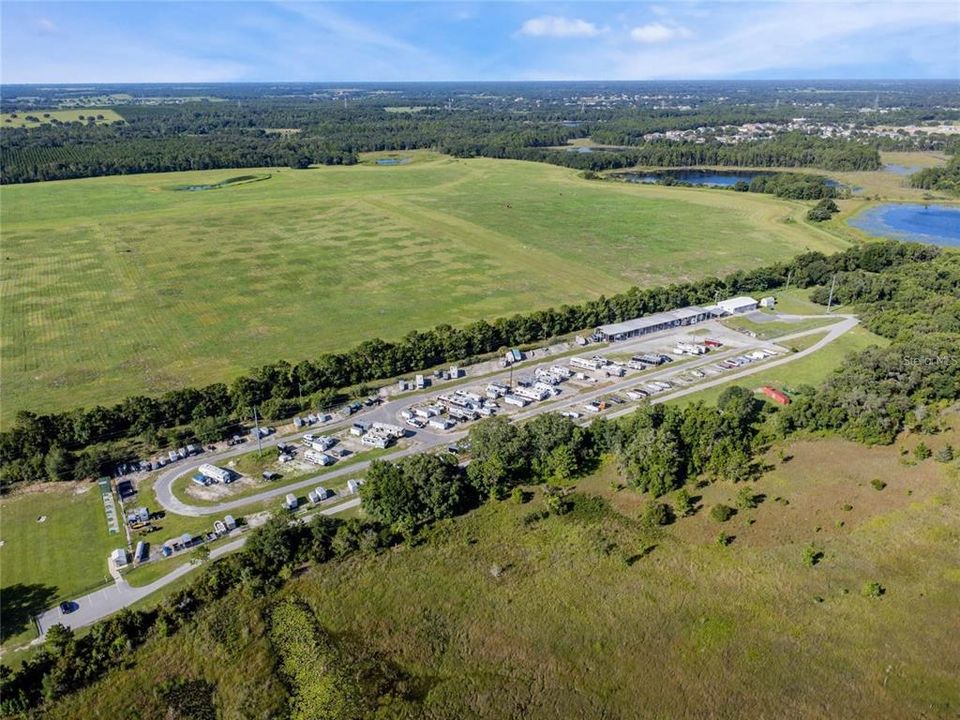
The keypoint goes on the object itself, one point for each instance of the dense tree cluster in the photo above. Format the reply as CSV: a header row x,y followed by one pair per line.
x,y
823,210
871,397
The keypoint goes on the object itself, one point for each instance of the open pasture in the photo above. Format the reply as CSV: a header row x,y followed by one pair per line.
x,y
120,285
44,117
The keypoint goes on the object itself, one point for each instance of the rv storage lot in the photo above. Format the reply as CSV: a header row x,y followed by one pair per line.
x,y
122,285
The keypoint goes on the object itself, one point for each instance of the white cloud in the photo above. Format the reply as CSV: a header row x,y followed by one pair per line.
x,y
658,32
46,26
558,27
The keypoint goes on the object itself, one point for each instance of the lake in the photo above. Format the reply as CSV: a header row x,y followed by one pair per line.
x,y
711,178
937,224
393,161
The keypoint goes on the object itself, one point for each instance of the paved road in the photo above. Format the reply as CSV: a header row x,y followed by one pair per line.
x,y
425,439
106,601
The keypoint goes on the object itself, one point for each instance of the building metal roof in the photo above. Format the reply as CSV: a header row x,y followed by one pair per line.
x,y
648,321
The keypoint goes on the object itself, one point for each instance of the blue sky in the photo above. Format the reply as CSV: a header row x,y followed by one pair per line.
x,y
395,41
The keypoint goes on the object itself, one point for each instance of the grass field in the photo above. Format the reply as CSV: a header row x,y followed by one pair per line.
x,y
122,285
42,563
593,615
45,116
776,328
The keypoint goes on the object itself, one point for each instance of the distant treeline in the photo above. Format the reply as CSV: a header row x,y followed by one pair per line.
x,y
196,136
789,150
944,179
71,444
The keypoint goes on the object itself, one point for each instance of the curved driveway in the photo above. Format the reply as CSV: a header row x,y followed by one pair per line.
x,y
425,439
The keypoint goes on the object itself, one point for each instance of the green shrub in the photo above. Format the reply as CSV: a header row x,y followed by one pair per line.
x,y
722,513
683,503
878,484
812,556
873,589
746,499
655,514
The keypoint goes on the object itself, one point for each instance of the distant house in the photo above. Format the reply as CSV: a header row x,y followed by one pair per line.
x,y
229,522
354,485
768,302
290,502
119,558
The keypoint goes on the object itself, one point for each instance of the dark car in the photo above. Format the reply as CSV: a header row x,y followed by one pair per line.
x,y
68,606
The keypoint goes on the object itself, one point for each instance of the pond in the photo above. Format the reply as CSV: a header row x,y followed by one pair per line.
x,y
711,178
901,169
229,182
393,161
937,224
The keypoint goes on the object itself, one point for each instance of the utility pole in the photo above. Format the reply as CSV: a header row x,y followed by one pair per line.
x,y
789,274
833,284
256,425
300,393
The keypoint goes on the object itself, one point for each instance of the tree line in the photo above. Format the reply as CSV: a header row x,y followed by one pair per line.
x,y
273,132
84,443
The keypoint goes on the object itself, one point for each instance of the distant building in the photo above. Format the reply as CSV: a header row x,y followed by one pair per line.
x,y
654,323
119,558
768,302
740,304
290,502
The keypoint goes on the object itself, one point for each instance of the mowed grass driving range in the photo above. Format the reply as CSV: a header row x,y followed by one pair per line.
x,y
122,285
